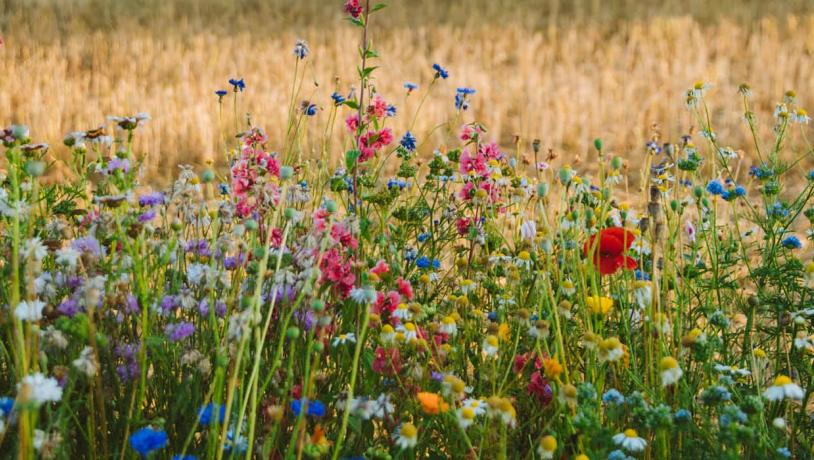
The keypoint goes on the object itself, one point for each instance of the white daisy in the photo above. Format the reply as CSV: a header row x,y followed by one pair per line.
x,y
39,389
29,310
783,388
406,436
630,441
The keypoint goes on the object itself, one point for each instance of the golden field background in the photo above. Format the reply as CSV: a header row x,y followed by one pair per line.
x,y
562,71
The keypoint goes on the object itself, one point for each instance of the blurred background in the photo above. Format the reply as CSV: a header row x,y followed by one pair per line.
x,y
563,71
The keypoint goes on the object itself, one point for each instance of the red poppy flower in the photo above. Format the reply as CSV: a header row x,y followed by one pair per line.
x,y
609,255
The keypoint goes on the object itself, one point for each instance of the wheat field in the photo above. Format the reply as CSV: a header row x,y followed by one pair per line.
x,y
564,79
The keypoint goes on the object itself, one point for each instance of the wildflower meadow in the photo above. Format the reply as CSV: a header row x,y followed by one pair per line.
x,y
487,301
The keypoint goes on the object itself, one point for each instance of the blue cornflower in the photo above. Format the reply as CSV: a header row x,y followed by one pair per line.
x,y
423,237
205,414
151,199
784,452
309,109
810,175
791,242
410,86
408,141
338,98
237,85
715,187
440,71
423,262
436,264
641,276
391,111
492,316
613,396
740,190
462,98
301,49
220,93
315,408
223,188
653,147
6,405
147,440
396,183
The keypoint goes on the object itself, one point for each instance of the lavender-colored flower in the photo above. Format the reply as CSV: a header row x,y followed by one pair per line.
x,y
132,304
203,307
151,199
168,304
199,247
232,262
179,331
220,308
118,164
69,307
88,245
147,216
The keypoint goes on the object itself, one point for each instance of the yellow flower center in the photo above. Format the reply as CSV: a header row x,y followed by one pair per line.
x,y
548,443
631,433
667,363
408,430
781,380
492,340
468,413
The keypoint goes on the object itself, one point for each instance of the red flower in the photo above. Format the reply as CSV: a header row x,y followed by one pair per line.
x,y
609,255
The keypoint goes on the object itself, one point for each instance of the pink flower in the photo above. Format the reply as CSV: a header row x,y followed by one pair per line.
x,y
476,163
405,288
387,362
381,268
386,303
469,132
378,108
540,388
337,271
353,8
341,235
491,151
352,122
463,225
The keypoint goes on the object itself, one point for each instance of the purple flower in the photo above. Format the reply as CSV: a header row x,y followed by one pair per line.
x,y
69,307
147,216
220,308
168,304
132,304
151,199
179,331
198,247
88,245
118,164
232,262
203,307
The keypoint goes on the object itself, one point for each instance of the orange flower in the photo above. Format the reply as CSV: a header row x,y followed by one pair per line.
x,y
552,368
432,403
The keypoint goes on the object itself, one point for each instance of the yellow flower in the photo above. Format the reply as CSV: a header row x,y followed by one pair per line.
x,y
552,368
503,332
548,445
599,305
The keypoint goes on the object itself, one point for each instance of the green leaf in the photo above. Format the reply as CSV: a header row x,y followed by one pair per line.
x,y
350,158
352,104
377,7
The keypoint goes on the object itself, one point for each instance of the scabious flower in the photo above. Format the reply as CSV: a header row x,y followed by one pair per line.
x,y
613,396
715,187
147,440
783,388
630,441
179,331
440,72
670,371
406,436
608,254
